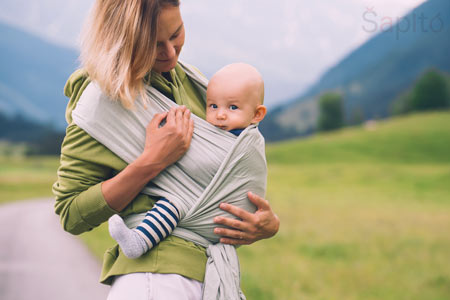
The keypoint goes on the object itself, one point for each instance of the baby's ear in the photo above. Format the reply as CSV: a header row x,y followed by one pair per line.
x,y
260,113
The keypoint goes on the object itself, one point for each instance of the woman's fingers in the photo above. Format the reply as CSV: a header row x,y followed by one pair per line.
x,y
236,241
229,222
179,115
186,119
251,227
259,202
166,144
185,123
236,211
157,119
171,116
175,115
233,237
184,126
190,131
239,232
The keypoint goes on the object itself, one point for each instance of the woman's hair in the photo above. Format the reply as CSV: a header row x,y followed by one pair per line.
x,y
118,45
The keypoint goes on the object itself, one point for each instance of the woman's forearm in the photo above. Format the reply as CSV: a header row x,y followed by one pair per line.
x,y
121,189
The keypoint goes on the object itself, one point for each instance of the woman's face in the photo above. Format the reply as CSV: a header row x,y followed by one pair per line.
x,y
170,39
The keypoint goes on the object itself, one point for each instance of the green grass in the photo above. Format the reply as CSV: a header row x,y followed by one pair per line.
x,y
354,232
365,214
420,138
26,177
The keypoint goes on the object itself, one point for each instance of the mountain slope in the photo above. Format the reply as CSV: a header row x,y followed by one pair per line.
x,y
416,138
32,76
374,74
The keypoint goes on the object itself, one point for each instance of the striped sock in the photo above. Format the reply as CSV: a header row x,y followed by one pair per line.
x,y
130,242
159,222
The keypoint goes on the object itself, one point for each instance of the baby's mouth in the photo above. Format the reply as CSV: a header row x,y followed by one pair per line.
x,y
221,127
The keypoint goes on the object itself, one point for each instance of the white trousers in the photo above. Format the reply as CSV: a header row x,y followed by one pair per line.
x,y
152,286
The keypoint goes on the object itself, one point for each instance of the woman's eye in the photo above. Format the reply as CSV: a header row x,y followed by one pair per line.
x,y
233,107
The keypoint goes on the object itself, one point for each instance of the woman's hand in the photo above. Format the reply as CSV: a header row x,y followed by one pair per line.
x,y
165,144
250,228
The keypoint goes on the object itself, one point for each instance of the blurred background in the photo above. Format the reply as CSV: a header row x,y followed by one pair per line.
x,y
358,132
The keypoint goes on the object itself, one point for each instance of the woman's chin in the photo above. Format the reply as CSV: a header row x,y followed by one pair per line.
x,y
164,66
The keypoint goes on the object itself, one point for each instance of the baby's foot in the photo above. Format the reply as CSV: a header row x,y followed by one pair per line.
x,y
130,242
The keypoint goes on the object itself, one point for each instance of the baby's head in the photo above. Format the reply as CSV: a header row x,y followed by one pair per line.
x,y
234,98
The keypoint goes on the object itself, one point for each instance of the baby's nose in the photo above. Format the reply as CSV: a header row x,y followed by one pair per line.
x,y
221,115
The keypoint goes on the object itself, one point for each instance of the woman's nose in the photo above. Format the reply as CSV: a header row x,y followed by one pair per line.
x,y
168,51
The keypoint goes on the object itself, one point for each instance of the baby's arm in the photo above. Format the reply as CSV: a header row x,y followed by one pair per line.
x,y
158,223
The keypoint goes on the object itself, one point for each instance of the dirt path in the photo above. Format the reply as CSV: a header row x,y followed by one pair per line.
x,y
38,260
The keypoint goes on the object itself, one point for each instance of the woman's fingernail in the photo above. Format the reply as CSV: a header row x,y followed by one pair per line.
x,y
223,205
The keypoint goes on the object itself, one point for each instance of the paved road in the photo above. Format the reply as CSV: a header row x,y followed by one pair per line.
x,y
38,260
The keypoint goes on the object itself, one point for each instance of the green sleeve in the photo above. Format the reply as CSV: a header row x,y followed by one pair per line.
x,y
84,164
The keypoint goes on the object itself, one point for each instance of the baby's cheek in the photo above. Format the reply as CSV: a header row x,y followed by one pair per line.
x,y
209,117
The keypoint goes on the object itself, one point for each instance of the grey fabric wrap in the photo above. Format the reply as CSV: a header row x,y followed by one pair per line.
x,y
218,167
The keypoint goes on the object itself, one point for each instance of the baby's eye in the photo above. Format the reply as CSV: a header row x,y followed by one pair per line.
x,y
233,107
213,105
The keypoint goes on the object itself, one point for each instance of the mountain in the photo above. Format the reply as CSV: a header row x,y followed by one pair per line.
x,y
32,77
373,75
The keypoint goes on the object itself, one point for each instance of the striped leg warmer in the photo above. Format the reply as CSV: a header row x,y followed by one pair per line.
x,y
158,223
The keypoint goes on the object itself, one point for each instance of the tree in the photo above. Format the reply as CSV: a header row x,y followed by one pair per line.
x,y
430,92
357,116
331,113
402,104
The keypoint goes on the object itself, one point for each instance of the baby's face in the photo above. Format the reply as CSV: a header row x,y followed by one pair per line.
x,y
229,108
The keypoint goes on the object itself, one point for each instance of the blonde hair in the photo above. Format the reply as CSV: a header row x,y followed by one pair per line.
x,y
118,45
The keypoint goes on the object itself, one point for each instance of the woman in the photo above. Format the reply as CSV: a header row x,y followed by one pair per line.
x,y
127,44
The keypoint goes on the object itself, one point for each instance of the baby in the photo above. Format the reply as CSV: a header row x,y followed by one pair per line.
x,y
234,100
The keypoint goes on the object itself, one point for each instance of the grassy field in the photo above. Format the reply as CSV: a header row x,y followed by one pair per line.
x,y
365,214
24,178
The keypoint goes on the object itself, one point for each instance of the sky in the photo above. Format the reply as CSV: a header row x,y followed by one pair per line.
x,y
292,43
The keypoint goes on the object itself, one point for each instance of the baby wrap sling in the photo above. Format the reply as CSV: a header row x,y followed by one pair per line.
x,y
218,167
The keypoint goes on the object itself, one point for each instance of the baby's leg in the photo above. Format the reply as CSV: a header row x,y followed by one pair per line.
x,y
131,243
157,225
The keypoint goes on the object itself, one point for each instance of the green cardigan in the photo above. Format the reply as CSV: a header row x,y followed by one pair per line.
x,y
85,164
